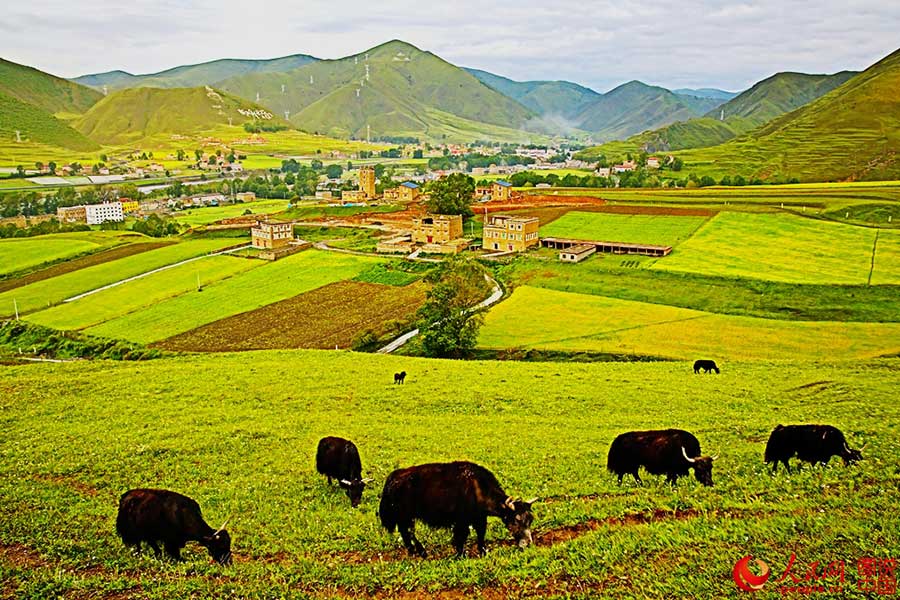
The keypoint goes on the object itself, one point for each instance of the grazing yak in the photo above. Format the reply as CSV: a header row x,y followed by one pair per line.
x,y
810,443
706,366
670,452
153,516
400,377
444,495
337,458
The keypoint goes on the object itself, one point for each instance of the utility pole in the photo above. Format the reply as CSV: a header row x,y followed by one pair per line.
x,y
16,306
198,281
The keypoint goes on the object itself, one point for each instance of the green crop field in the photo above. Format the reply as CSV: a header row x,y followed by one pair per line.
x,y
237,432
550,320
661,230
20,254
887,258
203,216
253,289
141,293
45,293
781,248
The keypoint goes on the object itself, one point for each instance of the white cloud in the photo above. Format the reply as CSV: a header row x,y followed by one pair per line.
x,y
600,44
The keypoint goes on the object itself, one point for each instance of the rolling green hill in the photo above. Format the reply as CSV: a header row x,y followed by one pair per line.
x,y
562,98
852,132
634,107
756,106
50,93
408,92
37,126
208,73
132,114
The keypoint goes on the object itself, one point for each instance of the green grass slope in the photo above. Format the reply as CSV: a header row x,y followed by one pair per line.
x,y
37,126
238,432
634,107
562,98
133,114
850,133
208,73
406,87
766,100
43,90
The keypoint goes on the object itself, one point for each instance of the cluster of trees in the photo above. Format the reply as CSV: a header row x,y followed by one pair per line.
x,y
473,161
448,324
50,226
260,126
451,195
155,226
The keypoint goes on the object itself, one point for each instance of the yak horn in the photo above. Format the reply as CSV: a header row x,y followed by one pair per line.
x,y
510,502
863,447
367,480
532,501
714,457
345,482
688,458
222,526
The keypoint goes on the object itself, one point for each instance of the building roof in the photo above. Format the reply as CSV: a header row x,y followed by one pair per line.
x,y
513,218
410,185
502,183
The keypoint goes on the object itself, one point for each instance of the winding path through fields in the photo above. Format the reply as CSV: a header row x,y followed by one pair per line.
x,y
495,297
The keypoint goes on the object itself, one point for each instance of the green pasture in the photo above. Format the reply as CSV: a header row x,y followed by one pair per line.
x,y
142,293
19,254
661,230
46,293
257,287
781,248
238,432
551,320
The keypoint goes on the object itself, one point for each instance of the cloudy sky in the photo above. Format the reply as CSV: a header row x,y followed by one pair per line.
x,y
690,43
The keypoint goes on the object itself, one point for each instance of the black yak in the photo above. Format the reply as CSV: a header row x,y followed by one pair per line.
x,y
669,452
154,516
400,377
444,495
337,458
810,443
706,366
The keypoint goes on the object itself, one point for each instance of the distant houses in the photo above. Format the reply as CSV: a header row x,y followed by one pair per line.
x,y
266,235
435,234
405,192
95,214
501,190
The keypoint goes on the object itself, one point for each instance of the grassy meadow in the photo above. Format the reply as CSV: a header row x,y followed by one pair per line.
x,y
563,321
237,432
195,217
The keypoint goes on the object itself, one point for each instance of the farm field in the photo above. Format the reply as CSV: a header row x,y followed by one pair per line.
x,y
141,293
194,217
782,248
43,272
18,254
47,292
886,267
21,254
240,439
327,317
253,289
631,278
550,320
660,230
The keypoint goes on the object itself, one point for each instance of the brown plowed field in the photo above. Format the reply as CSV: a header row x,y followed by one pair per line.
x,y
326,317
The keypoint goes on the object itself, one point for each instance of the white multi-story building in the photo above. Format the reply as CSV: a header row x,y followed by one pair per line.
x,y
100,213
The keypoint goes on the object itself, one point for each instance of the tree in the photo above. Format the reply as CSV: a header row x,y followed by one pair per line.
x,y
417,153
451,195
39,166
316,164
180,154
449,325
334,171
198,154
52,166
677,163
